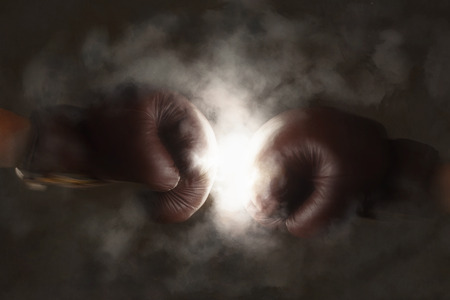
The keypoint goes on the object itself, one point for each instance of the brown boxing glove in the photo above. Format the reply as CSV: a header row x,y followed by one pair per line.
x,y
310,163
156,138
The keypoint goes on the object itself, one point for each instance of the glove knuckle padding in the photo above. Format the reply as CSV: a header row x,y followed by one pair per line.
x,y
310,163
159,139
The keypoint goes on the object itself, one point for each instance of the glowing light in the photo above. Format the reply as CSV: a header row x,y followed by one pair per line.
x,y
233,181
235,123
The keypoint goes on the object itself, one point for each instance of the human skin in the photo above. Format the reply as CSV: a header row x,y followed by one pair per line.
x,y
15,133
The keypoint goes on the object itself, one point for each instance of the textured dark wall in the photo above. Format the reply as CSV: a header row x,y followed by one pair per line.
x,y
241,63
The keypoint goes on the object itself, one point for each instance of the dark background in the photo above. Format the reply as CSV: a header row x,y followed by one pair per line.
x,y
241,62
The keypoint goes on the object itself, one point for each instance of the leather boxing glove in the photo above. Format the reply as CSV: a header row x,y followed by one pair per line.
x,y
161,140
308,164
155,138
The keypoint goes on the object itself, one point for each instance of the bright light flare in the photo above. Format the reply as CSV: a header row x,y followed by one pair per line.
x,y
233,180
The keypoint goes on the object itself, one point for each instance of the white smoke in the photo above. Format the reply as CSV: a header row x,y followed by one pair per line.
x,y
437,65
241,64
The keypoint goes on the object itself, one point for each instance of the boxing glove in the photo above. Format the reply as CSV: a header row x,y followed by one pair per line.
x,y
309,164
158,139
155,138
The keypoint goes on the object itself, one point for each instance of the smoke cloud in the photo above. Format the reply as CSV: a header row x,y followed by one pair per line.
x,y
240,63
